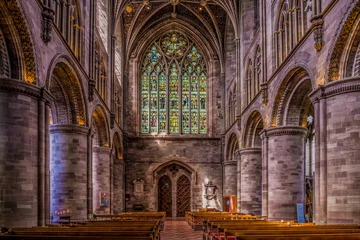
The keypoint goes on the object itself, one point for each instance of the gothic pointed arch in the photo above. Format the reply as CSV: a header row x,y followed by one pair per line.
x,y
290,26
68,19
173,87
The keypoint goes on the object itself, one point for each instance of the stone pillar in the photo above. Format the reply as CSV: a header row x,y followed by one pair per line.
x,y
337,172
18,153
101,178
118,201
285,164
230,178
68,164
250,181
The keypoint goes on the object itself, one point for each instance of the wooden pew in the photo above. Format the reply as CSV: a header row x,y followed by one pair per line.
x,y
196,219
244,228
91,230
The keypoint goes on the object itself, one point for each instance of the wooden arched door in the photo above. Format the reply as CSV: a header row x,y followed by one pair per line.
x,y
183,198
165,195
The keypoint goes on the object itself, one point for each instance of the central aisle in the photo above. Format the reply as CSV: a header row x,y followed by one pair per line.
x,y
179,229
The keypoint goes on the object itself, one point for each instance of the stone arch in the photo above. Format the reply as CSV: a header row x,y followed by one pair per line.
x,y
292,103
19,45
63,82
175,169
101,127
232,147
117,146
207,47
253,127
343,60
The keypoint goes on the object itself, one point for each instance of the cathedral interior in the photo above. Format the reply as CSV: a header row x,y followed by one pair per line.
x,y
111,106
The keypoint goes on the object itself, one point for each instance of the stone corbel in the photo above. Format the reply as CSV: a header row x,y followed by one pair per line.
x,y
91,89
318,31
112,120
264,90
46,23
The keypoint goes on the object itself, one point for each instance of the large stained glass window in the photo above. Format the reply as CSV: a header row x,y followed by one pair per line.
x,y
173,87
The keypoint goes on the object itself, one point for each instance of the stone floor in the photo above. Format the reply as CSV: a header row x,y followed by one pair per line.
x,y
179,229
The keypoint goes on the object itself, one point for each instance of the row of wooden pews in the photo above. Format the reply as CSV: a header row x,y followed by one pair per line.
x,y
99,228
262,229
197,219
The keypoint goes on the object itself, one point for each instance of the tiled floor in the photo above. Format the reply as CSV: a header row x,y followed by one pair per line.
x,y
179,229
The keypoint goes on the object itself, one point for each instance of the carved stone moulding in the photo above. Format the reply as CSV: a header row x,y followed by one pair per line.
x,y
343,86
283,130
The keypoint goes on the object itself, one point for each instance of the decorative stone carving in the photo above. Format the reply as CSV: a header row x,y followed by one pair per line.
x,y
91,84
112,120
344,31
139,189
4,58
30,74
46,24
318,32
264,89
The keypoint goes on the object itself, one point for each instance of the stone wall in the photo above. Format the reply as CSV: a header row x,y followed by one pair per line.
x,y
147,157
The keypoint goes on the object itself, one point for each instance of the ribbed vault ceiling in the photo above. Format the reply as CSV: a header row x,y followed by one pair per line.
x,y
207,16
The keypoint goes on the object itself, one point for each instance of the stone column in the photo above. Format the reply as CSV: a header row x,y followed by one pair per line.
x,y
250,181
18,153
118,201
285,165
101,178
68,164
230,178
337,172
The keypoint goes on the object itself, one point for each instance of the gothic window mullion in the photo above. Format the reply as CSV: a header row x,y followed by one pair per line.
x,y
185,107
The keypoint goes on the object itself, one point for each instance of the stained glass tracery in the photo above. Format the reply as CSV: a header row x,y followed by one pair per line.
x,y
173,88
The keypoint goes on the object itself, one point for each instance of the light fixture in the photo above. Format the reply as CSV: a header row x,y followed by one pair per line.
x,y
203,3
129,9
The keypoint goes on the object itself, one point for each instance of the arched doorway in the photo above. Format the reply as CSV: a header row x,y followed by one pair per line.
x,y
183,199
165,195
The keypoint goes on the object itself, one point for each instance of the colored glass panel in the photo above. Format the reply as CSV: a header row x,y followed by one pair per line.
x,y
172,102
162,121
154,121
174,122
185,122
145,122
203,122
194,122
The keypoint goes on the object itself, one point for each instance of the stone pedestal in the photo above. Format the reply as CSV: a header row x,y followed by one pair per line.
x,y
337,166
19,152
230,178
285,170
68,166
101,179
250,174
